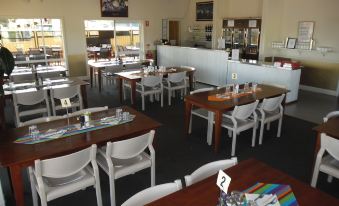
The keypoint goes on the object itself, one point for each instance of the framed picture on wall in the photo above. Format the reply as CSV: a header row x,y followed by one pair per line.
x,y
291,42
114,8
204,11
305,31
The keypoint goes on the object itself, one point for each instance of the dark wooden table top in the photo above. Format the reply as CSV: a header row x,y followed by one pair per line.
x,y
331,128
20,154
245,175
201,99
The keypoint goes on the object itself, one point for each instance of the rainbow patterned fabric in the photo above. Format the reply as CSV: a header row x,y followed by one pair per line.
x,y
283,192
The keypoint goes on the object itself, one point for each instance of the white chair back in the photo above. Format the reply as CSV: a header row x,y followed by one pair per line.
x,y
50,75
151,81
271,104
30,98
331,115
130,148
133,66
40,120
331,145
244,111
177,77
209,169
66,92
66,165
153,193
21,78
91,110
202,90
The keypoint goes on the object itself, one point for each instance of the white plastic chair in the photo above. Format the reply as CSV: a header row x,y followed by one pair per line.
x,y
243,118
22,78
150,85
269,110
109,73
153,193
329,163
176,81
72,92
127,157
33,101
60,176
90,110
209,169
40,120
193,76
203,113
331,115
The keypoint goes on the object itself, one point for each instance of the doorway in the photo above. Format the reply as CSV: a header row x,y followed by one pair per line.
x,y
174,32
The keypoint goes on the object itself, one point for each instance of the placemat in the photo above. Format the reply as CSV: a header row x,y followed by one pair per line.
x,y
72,130
283,192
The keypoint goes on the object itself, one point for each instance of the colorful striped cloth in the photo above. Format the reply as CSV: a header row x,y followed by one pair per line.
x,y
70,130
283,192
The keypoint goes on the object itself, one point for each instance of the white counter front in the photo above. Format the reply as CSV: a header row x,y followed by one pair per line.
x,y
214,68
280,77
211,65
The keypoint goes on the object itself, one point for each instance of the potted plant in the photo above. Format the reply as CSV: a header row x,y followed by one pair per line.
x,y
6,67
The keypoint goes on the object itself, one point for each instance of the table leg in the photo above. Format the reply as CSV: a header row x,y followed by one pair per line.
x,y
99,79
133,90
17,184
91,75
120,88
188,109
210,128
190,78
217,130
84,96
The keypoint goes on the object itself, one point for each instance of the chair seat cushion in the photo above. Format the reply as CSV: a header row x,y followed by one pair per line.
x,y
174,85
148,90
242,125
330,166
203,113
58,187
123,167
269,116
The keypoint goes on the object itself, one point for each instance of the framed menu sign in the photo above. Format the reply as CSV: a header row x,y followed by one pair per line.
x,y
305,31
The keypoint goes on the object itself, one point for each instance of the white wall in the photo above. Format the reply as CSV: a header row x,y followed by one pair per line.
x,y
74,12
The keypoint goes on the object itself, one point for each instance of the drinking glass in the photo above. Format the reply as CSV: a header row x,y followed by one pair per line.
x,y
34,132
254,86
246,87
125,116
118,114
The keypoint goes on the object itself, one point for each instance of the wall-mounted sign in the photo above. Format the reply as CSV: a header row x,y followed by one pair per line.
x,y
305,31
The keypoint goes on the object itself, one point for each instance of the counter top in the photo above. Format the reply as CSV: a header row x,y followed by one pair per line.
x,y
260,63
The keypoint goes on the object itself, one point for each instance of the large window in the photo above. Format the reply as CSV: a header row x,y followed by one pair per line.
x,y
33,41
108,38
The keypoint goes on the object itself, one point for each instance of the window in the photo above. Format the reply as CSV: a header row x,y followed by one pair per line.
x,y
33,41
108,38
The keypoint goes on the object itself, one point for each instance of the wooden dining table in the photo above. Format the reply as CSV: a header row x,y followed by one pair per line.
x,y
244,175
16,157
134,76
98,66
219,107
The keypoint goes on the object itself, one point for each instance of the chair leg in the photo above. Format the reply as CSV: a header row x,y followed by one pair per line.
x,y
169,97
254,135
210,127
112,189
143,102
153,175
162,98
262,125
181,93
315,177
329,179
98,191
268,126
34,192
234,142
279,127
229,133
151,98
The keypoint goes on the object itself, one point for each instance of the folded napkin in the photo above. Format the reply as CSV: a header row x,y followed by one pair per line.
x,y
264,200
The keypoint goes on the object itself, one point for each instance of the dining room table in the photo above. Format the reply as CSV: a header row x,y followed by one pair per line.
x,y
250,176
134,76
96,67
215,102
18,150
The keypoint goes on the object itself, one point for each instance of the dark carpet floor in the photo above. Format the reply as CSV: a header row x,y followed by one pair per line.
x,y
177,155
